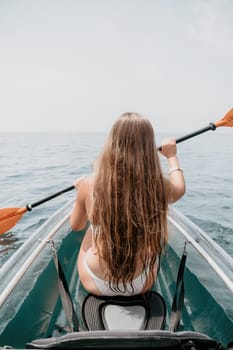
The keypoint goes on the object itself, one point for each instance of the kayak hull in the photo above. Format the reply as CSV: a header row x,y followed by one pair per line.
x,y
31,306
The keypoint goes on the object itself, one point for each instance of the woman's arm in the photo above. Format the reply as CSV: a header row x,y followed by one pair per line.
x,y
176,176
79,217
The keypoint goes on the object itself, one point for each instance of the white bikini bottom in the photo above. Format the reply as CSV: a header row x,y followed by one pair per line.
x,y
104,288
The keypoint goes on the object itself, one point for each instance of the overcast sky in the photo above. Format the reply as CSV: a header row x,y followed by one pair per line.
x,y
75,65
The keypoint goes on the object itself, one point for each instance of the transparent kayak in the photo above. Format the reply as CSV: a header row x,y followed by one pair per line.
x,y
31,307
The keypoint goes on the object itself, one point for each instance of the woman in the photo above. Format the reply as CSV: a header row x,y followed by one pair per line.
x,y
126,203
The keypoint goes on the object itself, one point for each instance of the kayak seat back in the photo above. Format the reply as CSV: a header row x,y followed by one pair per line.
x,y
139,312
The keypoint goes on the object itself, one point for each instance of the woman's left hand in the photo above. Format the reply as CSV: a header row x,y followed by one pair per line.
x,y
78,182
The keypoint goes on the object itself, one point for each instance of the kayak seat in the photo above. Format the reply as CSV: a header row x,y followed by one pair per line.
x,y
126,322
142,339
139,312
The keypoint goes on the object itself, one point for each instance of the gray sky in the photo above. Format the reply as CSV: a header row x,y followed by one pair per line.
x,y
75,65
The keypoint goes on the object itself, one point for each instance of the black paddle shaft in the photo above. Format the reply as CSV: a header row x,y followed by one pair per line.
x,y
211,126
33,205
29,207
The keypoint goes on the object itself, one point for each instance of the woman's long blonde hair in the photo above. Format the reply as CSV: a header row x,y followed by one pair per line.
x,y
130,200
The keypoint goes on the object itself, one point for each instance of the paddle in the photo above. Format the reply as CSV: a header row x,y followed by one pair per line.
x,y
10,216
227,120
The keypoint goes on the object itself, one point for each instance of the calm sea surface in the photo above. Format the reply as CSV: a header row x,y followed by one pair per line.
x,y
35,165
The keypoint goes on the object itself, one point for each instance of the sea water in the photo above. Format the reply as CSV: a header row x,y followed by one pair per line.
x,y
36,165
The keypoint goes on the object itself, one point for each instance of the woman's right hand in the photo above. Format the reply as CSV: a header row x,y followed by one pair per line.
x,y
169,147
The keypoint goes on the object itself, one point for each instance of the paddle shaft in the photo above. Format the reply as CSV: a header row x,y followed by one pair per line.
x,y
211,126
46,199
29,207
9,216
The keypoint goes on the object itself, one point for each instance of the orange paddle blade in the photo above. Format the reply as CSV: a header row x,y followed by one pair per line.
x,y
9,217
227,120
